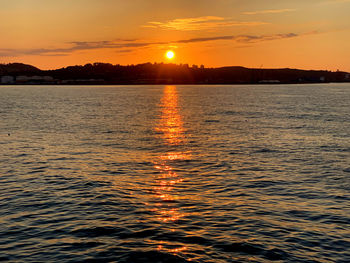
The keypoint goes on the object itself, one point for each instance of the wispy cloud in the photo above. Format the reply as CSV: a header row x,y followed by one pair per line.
x,y
201,23
75,47
269,11
241,38
132,45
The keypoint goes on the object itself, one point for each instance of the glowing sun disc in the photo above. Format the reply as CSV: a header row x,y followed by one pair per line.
x,y
170,54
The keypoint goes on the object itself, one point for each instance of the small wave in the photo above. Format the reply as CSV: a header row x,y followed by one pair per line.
x,y
96,231
20,155
211,121
254,249
84,245
262,184
340,220
185,239
139,234
109,132
265,150
4,258
153,256
112,172
62,159
231,112
38,169
235,152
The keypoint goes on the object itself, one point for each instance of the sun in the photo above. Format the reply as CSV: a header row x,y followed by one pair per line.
x,y
170,54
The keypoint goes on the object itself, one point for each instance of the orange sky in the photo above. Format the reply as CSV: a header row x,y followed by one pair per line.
x,y
312,34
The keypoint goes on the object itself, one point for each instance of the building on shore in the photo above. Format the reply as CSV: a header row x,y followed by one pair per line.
x,y
7,80
34,80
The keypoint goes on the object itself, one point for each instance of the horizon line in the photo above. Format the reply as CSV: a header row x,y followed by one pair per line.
x,y
180,64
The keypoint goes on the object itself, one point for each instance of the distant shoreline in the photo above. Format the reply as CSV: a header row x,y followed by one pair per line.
x,y
163,74
177,84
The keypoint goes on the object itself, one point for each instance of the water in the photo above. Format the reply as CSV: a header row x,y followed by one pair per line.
x,y
175,173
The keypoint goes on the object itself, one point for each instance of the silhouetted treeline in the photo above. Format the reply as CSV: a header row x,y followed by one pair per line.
x,y
159,73
18,69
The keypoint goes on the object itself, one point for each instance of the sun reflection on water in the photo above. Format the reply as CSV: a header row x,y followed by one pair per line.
x,y
171,125
171,131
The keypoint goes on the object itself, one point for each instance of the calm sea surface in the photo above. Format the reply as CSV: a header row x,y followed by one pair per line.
x,y
175,173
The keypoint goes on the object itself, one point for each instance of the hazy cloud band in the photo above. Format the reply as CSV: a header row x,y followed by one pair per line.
x,y
129,45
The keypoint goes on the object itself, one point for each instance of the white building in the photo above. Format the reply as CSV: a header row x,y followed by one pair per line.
x,y
7,80
35,79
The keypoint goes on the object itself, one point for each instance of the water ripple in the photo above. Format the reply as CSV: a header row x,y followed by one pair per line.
x,y
168,174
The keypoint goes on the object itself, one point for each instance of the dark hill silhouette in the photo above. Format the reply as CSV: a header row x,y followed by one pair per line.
x,y
17,68
159,73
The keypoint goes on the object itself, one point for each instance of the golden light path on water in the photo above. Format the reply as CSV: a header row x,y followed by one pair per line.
x,y
172,132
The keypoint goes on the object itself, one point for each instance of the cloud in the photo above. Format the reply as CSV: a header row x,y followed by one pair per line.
x,y
201,23
131,45
269,11
240,38
75,47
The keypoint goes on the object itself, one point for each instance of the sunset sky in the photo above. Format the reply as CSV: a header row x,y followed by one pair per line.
x,y
307,34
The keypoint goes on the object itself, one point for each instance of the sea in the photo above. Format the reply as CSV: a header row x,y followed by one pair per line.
x,y
211,173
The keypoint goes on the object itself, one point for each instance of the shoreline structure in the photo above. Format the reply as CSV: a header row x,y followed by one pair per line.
x,y
160,73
